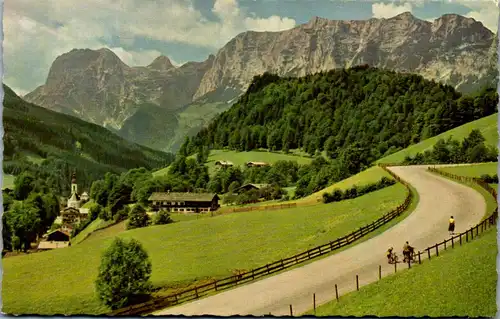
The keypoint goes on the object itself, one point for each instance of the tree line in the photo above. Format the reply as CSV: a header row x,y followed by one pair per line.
x,y
472,149
29,211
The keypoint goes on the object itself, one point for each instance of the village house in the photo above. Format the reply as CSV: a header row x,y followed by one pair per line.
x,y
184,202
249,187
256,164
55,239
223,164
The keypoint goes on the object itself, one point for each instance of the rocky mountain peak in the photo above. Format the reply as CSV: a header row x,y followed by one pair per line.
x,y
161,63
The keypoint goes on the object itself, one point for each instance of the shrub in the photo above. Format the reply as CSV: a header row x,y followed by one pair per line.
x,y
162,218
121,214
123,274
137,217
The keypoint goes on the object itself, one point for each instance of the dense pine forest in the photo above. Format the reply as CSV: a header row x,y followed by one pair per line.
x,y
354,116
62,144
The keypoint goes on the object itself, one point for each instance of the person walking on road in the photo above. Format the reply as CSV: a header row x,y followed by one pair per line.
x,y
451,226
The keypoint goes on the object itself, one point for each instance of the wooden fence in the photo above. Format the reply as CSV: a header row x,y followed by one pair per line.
x,y
434,250
469,234
276,266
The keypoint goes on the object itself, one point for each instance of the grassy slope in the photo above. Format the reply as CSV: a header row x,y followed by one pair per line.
x,y
186,251
460,282
487,126
370,175
95,225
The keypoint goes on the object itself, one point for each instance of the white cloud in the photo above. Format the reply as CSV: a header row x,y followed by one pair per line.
x,y
136,58
273,23
389,10
486,12
36,33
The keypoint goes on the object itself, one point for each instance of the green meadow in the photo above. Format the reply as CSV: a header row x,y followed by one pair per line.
x,y
184,252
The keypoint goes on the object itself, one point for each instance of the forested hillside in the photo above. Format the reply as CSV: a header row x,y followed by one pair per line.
x,y
355,116
377,110
62,144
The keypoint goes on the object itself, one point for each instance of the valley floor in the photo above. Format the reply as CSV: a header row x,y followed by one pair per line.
x,y
186,251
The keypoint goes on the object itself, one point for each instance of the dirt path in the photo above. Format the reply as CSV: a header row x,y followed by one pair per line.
x,y
439,198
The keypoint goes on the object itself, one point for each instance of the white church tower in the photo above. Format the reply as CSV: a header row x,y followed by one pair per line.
x,y
74,200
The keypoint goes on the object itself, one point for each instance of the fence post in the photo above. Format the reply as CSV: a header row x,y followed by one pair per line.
x,y
460,239
437,250
379,272
419,261
291,311
444,244
466,236
215,284
336,293
357,283
429,253
472,233
452,243
314,302
196,292
477,230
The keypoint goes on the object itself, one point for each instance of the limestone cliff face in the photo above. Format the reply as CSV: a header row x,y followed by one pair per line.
x,y
98,87
152,104
452,49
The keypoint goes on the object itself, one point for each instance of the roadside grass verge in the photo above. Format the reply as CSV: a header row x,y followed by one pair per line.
x,y
486,125
475,170
472,170
185,252
460,282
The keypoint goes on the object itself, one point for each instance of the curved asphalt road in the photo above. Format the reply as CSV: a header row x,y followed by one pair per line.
x,y
425,226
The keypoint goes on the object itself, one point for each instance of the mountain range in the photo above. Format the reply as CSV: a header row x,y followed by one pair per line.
x,y
160,104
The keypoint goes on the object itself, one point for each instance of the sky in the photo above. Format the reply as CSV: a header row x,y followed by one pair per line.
x,y
138,31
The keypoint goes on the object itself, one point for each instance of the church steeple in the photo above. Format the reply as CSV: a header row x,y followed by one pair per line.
x,y
74,186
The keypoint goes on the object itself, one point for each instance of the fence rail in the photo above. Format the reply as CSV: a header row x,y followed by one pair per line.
x,y
434,250
268,269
